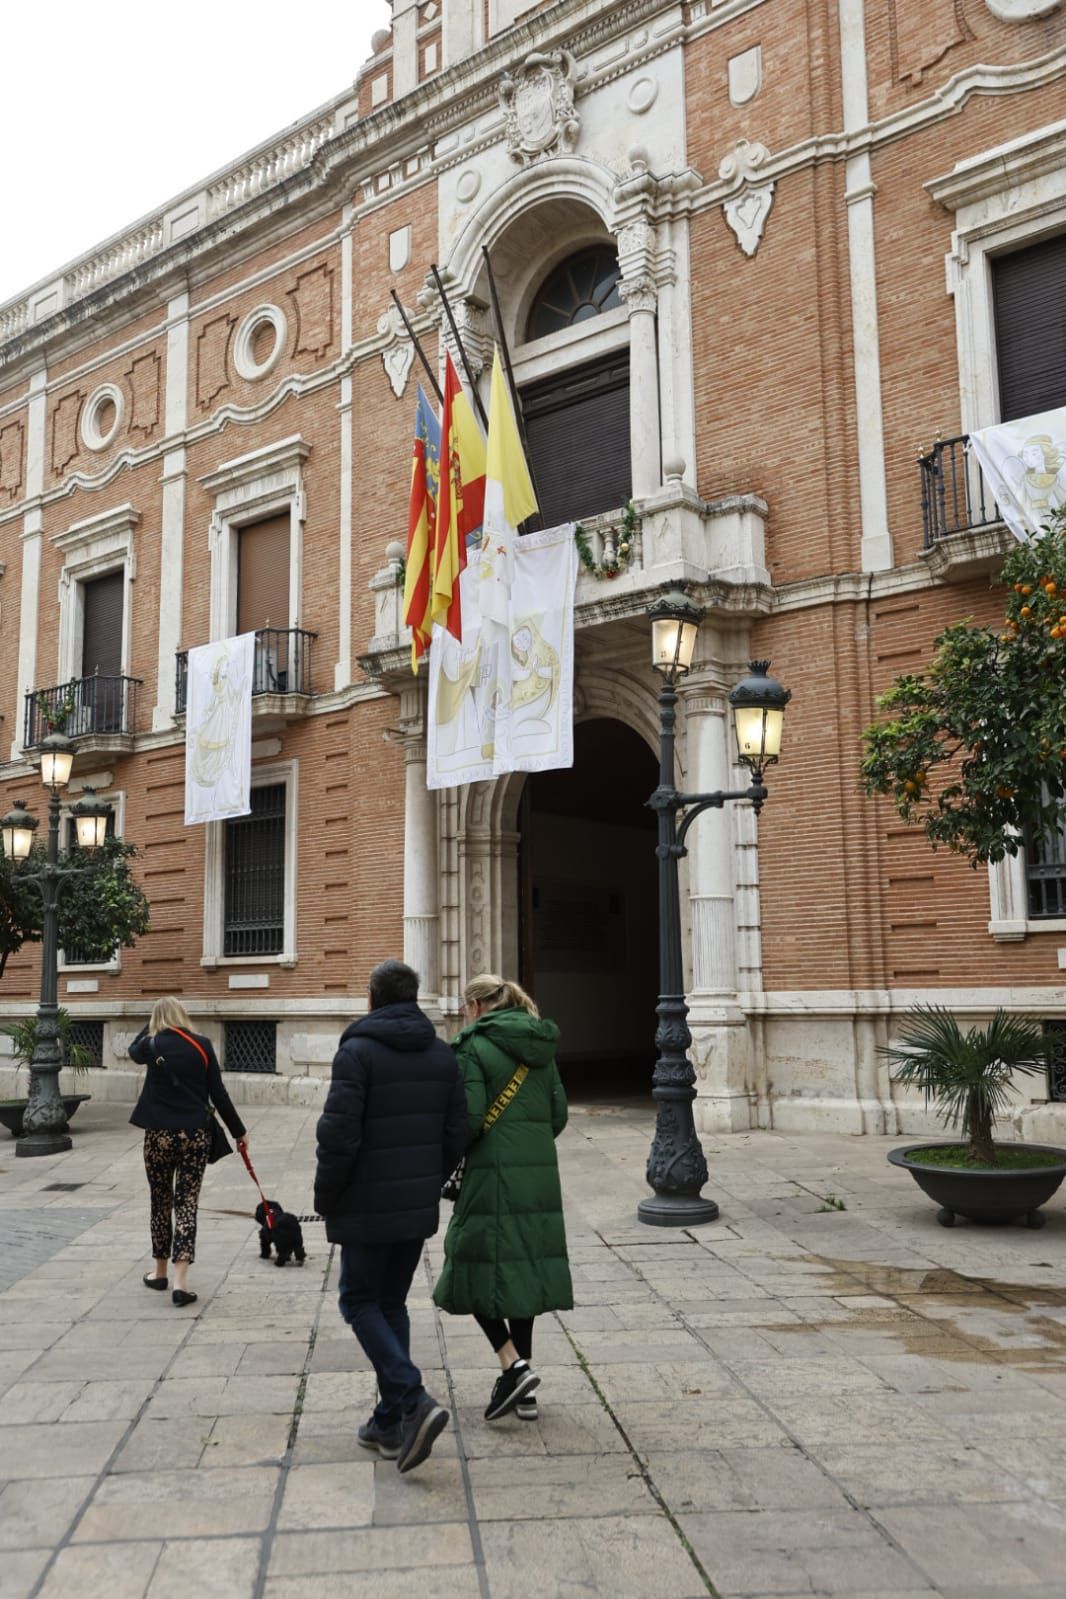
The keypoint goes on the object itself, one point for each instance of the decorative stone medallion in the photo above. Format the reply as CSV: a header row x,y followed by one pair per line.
x,y
747,210
399,354
537,101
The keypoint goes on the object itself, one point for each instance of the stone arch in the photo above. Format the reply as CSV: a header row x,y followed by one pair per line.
x,y
531,223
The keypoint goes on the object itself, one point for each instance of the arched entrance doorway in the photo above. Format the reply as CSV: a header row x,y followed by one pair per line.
x,y
588,910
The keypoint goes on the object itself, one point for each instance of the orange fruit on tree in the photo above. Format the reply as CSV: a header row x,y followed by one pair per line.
x,y
1051,588
1025,588
1004,791
1026,610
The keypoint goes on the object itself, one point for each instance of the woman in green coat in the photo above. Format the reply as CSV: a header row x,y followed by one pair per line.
x,y
505,1259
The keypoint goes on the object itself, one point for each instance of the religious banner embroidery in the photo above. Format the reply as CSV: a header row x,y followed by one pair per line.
x,y
503,699
1025,464
218,730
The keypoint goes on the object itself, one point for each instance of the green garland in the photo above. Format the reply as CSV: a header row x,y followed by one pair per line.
x,y
623,553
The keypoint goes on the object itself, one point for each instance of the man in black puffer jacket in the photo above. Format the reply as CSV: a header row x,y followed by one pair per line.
x,y
394,1126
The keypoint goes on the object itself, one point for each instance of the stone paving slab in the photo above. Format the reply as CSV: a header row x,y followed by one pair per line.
x,y
789,1402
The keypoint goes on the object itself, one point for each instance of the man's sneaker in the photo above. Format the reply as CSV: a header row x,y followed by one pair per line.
x,y
511,1386
385,1440
526,1409
419,1431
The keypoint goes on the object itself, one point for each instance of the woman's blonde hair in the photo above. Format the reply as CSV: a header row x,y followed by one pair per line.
x,y
497,993
169,1012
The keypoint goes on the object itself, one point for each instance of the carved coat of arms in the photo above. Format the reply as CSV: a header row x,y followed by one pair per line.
x,y
538,103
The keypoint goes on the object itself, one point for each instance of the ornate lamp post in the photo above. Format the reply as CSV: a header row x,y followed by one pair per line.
x,y
45,1122
677,1167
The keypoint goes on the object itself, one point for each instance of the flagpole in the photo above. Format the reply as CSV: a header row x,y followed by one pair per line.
x,y
516,402
460,346
431,375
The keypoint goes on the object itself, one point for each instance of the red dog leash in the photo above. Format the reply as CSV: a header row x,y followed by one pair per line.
x,y
267,1211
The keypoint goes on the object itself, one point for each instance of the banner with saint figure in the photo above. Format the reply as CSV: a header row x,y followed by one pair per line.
x,y
218,730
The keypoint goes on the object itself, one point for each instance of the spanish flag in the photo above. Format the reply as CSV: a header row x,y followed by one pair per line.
x,y
421,522
460,503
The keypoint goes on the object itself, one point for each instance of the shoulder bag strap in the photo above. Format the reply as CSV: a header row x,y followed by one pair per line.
x,y
504,1098
174,1081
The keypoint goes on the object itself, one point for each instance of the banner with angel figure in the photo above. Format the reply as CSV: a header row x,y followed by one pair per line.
x,y
502,700
1025,464
218,730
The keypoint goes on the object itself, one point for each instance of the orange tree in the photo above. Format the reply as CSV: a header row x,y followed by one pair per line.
x,y
974,748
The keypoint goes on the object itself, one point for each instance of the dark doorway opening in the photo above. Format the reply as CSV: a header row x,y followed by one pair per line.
x,y
588,909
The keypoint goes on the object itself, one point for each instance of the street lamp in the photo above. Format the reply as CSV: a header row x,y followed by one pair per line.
x,y
677,1167
44,1125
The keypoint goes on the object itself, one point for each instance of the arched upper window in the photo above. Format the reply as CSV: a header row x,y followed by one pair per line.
x,y
580,287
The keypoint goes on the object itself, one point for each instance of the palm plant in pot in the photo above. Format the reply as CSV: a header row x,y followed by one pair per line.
x,y
967,1076
76,1057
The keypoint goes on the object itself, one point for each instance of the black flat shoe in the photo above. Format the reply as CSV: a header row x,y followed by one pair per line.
x,y
154,1282
180,1297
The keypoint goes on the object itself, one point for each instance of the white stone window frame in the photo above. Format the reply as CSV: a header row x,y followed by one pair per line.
x,y
264,483
92,435
94,548
572,347
247,366
116,799
286,772
1003,199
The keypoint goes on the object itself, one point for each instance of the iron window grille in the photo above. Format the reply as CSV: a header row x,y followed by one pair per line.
x,y
90,1036
1055,1033
254,910
1045,863
250,1046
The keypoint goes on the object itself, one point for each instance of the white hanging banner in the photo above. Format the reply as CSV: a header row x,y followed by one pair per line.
x,y
503,700
1025,464
218,730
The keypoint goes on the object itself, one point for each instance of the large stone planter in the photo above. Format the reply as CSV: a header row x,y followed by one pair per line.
x,y
988,1197
13,1110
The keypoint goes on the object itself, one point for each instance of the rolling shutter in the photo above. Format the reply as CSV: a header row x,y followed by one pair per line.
x,y
101,637
578,429
263,574
1029,294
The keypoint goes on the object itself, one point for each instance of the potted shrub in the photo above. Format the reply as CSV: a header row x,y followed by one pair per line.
x,y
966,1075
23,1036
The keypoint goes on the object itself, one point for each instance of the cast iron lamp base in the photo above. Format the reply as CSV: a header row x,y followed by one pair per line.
x,y
676,1210
43,1144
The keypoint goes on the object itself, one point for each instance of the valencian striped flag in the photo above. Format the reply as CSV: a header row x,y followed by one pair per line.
x,y
421,524
461,501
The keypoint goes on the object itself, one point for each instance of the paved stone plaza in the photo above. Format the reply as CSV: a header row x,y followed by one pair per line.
x,y
795,1400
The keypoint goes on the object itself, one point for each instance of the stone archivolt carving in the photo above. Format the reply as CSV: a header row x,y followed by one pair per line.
x,y
537,101
398,355
1022,10
747,210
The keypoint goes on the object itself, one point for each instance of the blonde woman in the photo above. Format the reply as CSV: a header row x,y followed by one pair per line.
x,y
505,1260
182,1081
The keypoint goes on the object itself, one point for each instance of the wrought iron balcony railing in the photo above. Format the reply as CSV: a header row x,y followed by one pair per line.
x,y
282,664
84,707
955,496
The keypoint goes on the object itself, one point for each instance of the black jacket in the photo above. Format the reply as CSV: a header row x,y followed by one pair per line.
x,y
394,1126
175,1094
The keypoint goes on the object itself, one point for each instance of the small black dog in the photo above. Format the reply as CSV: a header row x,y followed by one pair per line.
x,y
285,1235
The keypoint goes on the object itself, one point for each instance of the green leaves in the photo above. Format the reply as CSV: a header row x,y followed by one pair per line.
x,y
23,1036
967,1075
974,748
101,911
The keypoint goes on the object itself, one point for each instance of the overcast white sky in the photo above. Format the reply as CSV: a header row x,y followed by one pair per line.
x,y
107,110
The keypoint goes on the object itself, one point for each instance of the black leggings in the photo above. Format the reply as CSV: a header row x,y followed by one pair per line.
x,y
520,1332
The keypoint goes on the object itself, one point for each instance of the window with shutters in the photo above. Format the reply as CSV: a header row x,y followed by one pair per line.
x,y
1029,298
95,587
574,378
250,876
100,703
257,548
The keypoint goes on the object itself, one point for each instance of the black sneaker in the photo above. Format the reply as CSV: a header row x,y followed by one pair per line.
x,y
385,1440
419,1431
511,1386
526,1409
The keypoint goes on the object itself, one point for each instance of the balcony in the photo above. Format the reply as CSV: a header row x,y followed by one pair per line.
x,y
281,678
100,712
963,531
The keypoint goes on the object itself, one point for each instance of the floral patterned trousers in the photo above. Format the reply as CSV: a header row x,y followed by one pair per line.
x,y
175,1163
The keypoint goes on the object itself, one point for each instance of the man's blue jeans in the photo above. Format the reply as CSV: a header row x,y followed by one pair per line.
x,y
374,1284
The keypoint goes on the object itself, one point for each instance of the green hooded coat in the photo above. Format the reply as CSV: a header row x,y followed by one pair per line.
x,y
505,1249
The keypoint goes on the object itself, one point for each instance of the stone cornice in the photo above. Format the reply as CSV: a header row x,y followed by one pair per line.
x,y
1019,161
